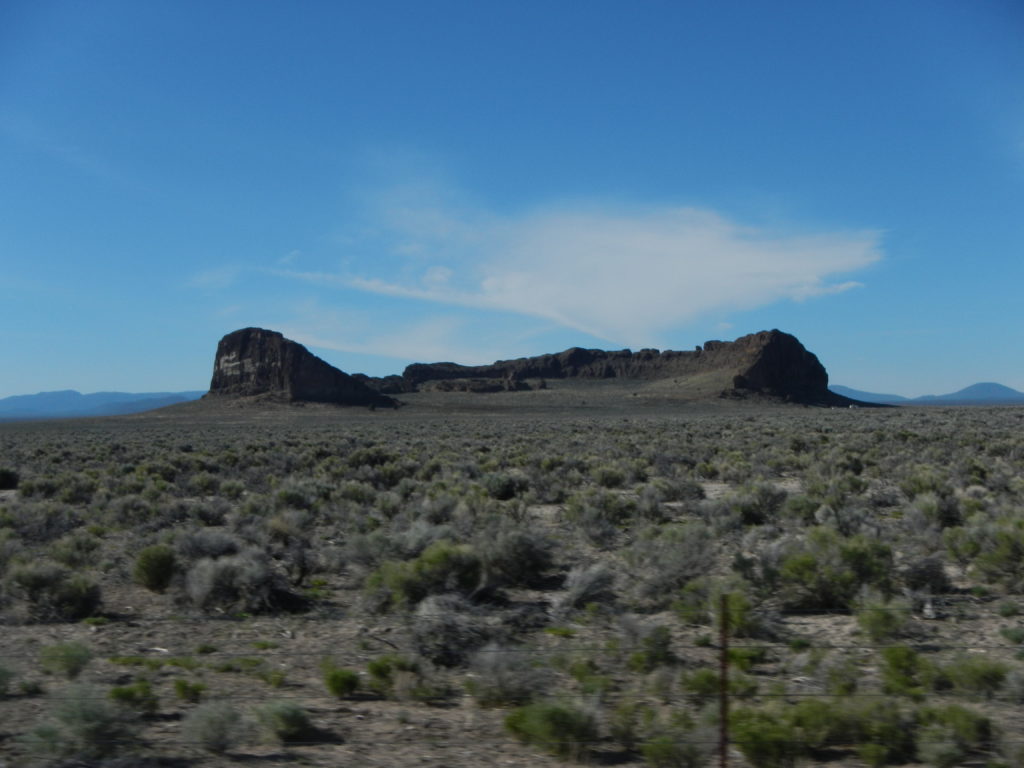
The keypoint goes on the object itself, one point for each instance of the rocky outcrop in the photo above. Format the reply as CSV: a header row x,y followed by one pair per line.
x,y
254,361
257,362
770,362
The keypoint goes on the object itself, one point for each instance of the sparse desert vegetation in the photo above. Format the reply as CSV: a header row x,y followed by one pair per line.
x,y
517,586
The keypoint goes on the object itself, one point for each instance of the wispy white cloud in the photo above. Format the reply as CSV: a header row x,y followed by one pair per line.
x,y
622,273
218,277
440,337
429,340
40,137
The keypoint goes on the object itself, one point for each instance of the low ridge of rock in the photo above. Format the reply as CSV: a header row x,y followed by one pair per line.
x,y
771,363
254,361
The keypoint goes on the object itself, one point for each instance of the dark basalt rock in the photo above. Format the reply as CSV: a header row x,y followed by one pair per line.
x,y
772,363
254,361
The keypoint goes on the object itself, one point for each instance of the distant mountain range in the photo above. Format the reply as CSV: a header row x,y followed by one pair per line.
x,y
68,403
984,393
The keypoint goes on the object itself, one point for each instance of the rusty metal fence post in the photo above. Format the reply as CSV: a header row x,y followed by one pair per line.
x,y
723,683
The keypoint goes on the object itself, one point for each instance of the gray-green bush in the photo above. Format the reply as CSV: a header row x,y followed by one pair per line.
x,y
216,726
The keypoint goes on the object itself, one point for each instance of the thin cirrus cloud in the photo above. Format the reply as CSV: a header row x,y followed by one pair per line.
x,y
435,338
624,276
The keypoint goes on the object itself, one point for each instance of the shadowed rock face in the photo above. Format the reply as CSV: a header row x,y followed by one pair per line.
x,y
770,362
253,361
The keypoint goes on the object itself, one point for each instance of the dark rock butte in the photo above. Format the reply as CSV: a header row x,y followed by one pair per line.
x,y
770,363
254,361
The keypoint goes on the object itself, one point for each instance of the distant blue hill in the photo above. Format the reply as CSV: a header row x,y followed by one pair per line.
x,y
866,397
984,393
68,403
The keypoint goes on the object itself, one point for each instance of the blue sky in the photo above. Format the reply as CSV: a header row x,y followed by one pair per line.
x,y
418,181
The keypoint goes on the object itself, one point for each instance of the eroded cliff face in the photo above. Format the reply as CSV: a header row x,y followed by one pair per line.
x,y
770,362
777,363
254,361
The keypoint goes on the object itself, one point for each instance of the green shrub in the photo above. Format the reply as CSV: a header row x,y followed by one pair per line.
x,y
505,485
938,746
948,735
744,658
76,550
65,659
154,567
773,737
961,545
215,727
702,684
842,678
1001,558
284,721
560,728
54,593
609,476
189,691
656,651
383,670
767,739
589,677
232,489
830,570
757,503
883,732
821,723
801,508
76,488
599,513
922,480
672,752
693,601
204,484
137,696
1014,635
442,567
901,671
513,556
977,675
927,574
744,620
883,620
1009,608
340,682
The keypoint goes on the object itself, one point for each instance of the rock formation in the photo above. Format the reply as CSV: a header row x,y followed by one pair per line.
x,y
770,362
254,361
